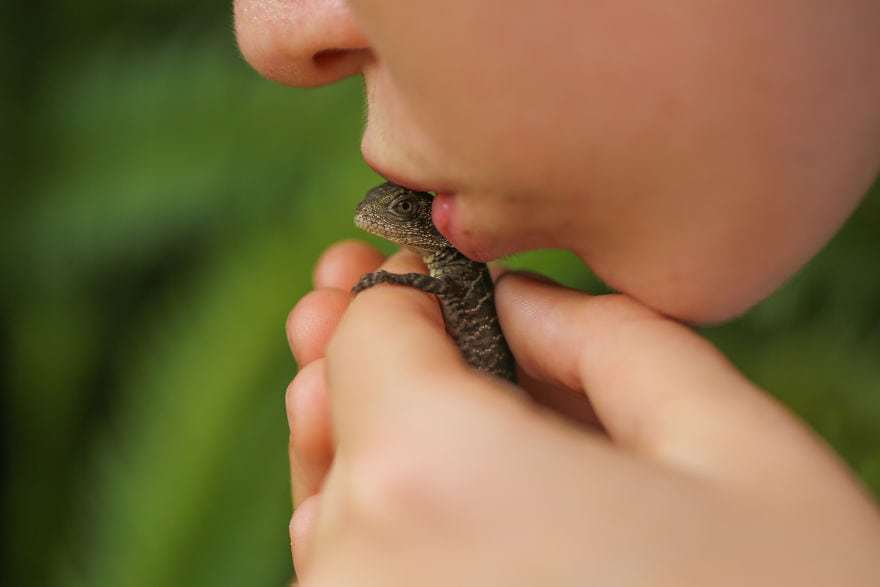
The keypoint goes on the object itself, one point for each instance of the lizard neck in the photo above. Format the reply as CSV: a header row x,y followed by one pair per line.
x,y
446,261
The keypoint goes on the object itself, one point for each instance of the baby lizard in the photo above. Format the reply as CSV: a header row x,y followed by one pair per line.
x,y
463,287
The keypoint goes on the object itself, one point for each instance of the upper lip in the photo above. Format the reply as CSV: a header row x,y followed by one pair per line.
x,y
406,182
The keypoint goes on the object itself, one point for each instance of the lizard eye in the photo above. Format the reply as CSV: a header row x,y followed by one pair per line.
x,y
405,206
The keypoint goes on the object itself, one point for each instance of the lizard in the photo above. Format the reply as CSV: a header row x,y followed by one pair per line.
x,y
463,287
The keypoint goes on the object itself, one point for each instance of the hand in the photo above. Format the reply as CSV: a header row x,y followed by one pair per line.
x,y
408,468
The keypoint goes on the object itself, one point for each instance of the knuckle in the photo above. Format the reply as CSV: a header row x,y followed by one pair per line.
x,y
659,434
392,483
390,488
289,401
617,308
303,401
305,381
304,309
621,323
297,324
312,322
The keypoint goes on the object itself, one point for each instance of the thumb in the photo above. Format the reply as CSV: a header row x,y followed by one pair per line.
x,y
656,386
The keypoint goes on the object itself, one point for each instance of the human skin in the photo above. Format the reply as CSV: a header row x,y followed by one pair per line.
x,y
409,468
693,156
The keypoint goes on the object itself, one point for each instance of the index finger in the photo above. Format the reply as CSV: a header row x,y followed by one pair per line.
x,y
390,337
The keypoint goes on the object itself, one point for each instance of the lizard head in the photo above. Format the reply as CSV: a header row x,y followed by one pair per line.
x,y
401,216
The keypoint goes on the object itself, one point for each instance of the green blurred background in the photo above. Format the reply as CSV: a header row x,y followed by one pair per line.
x,y
162,208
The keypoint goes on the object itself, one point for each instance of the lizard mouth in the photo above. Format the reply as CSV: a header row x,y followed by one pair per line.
x,y
381,230
367,225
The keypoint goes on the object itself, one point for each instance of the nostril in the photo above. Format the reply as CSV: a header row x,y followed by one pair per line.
x,y
335,59
302,43
329,57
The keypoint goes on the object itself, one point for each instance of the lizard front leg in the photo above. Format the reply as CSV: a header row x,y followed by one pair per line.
x,y
420,281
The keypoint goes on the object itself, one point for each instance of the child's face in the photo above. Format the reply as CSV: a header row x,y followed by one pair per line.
x,y
693,153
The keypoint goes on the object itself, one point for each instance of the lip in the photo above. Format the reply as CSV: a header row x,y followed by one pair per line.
x,y
477,246
406,182
445,216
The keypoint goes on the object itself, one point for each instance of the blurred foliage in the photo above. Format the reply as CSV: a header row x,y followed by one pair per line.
x,y
162,209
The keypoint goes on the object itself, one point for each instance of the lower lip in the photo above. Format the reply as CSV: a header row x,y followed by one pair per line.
x,y
441,212
443,215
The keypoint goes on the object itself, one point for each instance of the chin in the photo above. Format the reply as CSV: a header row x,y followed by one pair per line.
x,y
697,301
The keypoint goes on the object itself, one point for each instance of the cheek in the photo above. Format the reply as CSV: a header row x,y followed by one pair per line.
x,y
514,92
454,70
596,90
692,132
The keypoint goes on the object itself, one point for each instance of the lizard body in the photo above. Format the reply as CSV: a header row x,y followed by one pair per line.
x,y
463,287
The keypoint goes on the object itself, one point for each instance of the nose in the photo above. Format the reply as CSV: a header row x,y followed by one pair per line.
x,y
302,43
